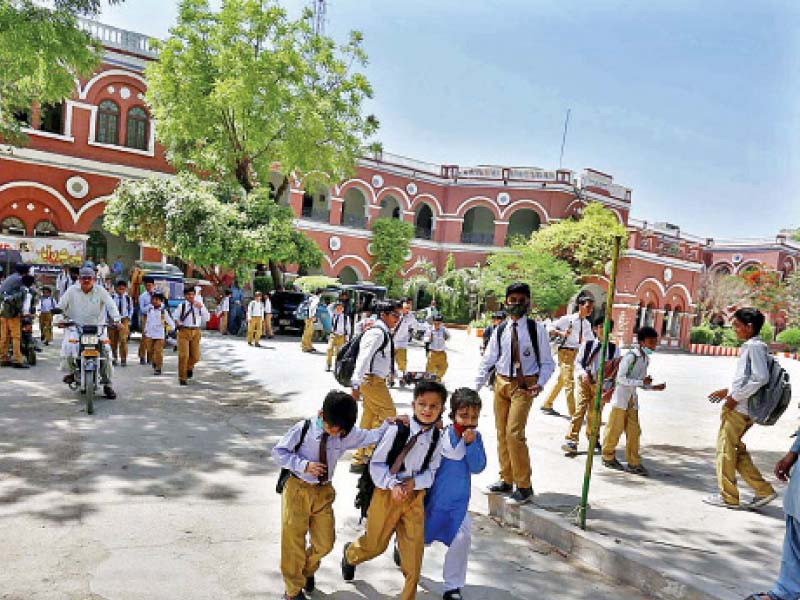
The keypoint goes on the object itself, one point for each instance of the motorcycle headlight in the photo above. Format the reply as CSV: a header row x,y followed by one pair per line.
x,y
89,340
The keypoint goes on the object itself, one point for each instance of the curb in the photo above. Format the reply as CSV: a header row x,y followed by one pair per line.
x,y
602,553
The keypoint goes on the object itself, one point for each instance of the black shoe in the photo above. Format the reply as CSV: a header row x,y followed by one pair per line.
x,y
300,596
21,366
327,369
570,448
189,374
348,570
358,468
109,392
114,362
5,363
598,448
123,364
613,464
501,487
156,371
69,379
396,555
142,361
550,411
521,496
453,595
183,382
310,584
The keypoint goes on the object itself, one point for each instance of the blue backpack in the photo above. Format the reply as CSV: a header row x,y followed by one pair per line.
x,y
303,309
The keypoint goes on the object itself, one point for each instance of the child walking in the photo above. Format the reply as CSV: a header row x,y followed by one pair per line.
x,y
158,318
446,517
437,354
46,306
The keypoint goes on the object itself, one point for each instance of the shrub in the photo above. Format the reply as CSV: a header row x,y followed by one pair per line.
x,y
790,337
767,332
702,334
728,338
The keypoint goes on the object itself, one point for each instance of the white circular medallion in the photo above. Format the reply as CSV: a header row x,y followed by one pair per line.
x,y
124,93
140,96
111,89
334,243
503,198
736,259
14,206
377,181
30,206
370,250
667,275
411,188
77,186
46,211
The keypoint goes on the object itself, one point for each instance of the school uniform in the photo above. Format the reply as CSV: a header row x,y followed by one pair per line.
x,y
624,415
306,343
446,517
307,501
402,336
145,300
340,326
406,519
188,319
788,583
437,353
373,367
752,372
514,360
63,281
576,330
364,324
223,311
157,319
268,318
46,306
587,363
255,321
119,337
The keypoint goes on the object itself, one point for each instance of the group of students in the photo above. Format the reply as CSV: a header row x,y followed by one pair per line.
x,y
258,316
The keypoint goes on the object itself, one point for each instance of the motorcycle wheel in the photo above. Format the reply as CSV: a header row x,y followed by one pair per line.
x,y
90,379
32,356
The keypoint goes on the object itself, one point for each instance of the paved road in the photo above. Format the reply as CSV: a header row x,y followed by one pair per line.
x,y
168,492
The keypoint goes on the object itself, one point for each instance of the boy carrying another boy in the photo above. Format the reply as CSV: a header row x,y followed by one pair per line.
x,y
397,503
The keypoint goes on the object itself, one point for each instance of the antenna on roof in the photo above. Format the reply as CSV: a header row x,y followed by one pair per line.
x,y
564,138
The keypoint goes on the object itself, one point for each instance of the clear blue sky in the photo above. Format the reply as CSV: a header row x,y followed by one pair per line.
x,y
692,104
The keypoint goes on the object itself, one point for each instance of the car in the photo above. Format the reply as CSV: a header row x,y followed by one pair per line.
x,y
284,305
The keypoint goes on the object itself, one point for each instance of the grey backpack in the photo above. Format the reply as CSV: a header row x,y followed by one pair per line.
x,y
768,404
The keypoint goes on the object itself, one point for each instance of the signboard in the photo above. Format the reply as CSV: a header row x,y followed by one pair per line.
x,y
46,250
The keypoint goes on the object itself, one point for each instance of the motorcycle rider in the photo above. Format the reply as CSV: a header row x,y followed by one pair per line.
x,y
88,304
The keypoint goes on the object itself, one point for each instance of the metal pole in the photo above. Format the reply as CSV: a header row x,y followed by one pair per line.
x,y
564,138
599,391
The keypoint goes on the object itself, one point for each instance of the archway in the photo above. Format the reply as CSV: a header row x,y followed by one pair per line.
x,y
275,182
354,209
478,226
390,208
348,276
316,206
522,224
423,222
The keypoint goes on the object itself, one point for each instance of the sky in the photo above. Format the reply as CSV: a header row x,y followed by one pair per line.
x,y
693,105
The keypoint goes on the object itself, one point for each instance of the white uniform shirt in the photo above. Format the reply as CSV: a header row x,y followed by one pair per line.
x,y
579,330
365,324
312,306
154,328
103,270
26,303
47,304
62,283
503,362
590,347
370,345
340,324
124,305
630,376
88,309
224,306
189,316
144,301
437,338
255,309
379,469
749,379
404,330
267,306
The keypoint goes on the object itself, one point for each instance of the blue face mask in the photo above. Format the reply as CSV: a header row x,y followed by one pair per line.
x,y
320,424
647,350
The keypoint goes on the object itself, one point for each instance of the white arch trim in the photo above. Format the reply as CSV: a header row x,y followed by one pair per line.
x,y
578,201
367,189
659,285
110,73
476,200
357,258
517,204
422,197
747,263
685,290
388,191
723,263
57,195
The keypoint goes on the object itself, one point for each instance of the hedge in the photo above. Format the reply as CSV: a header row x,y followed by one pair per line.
x,y
790,337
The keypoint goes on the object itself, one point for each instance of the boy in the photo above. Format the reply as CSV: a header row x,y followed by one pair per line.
x,y
497,318
46,306
268,317
157,318
632,374
340,326
255,320
397,504
307,498
587,364
437,355
306,342
402,336
144,301
189,317
119,336
223,310
752,372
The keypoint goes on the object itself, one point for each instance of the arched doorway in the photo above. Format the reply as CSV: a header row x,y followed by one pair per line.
x,y
316,206
349,276
423,222
390,208
102,244
354,209
522,224
478,226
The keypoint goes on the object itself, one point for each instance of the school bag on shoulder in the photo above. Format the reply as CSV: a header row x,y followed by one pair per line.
x,y
303,310
11,303
366,486
286,473
610,368
768,404
346,359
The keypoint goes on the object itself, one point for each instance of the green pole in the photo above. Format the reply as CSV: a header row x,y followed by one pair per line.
x,y
587,476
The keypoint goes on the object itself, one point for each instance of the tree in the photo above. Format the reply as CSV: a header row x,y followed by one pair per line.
x,y
245,91
793,299
551,279
718,292
586,244
767,291
42,53
457,291
390,243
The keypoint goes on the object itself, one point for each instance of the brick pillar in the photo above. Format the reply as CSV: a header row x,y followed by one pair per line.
x,y
500,232
336,210
296,202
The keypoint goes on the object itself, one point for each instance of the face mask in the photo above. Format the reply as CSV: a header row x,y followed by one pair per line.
x,y
319,423
647,350
517,310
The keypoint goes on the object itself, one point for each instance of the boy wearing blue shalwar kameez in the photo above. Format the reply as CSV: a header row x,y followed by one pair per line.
x,y
446,518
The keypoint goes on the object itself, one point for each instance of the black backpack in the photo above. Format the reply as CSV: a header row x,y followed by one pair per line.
x,y
768,404
285,473
366,487
348,355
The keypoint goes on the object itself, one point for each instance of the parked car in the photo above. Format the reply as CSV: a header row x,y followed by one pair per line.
x,y
283,306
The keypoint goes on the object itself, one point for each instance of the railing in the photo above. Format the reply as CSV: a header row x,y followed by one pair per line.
x,y
482,239
121,39
355,221
423,233
404,161
322,216
531,174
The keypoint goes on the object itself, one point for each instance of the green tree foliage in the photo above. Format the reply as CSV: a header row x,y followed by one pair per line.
x,y
311,283
793,299
718,292
790,337
552,280
390,243
586,244
457,291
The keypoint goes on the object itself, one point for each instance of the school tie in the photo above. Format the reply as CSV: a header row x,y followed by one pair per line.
x,y
391,358
336,325
516,367
580,333
323,455
398,462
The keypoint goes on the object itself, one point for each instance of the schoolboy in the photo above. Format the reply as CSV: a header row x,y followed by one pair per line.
x,y
255,320
307,498
158,318
397,504
268,316
752,372
587,365
223,310
340,328
497,318
402,336
189,317
144,301
119,336
46,306
632,374
436,337
446,517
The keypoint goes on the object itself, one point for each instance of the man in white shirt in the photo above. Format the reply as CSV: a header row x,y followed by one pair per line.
x,y
437,352
189,317
570,331
255,320
103,272
268,317
752,373
306,343
402,336
340,328
119,336
374,365
519,353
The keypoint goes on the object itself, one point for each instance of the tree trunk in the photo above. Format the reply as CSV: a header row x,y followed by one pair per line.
x,y
274,271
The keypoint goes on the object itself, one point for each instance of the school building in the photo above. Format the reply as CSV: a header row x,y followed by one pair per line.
x,y
53,192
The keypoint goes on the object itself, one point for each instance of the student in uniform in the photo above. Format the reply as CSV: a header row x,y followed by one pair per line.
x,y
587,364
402,337
307,498
572,330
158,318
119,336
189,316
46,306
752,372
63,281
520,353
374,365
340,328
307,341
397,504
145,299
437,352
624,417
497,318
223,311
255,320
268,317
366,321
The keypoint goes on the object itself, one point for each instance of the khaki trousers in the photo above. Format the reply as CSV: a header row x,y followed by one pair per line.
x,y
334,345
585,408
10,332
401,358
143,344
119,340
377,406
308,335
306,509
155,350
566,380
620,420
188,350
46,326
437,363
732,456
268,325
254,326
407,521
223,323
511,409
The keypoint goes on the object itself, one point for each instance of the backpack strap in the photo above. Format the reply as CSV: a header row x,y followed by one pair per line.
x,y
303,433
183,310
381,349
588,357
437,433
533,333
400,439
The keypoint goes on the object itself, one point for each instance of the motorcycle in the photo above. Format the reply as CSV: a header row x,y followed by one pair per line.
x,y
89,361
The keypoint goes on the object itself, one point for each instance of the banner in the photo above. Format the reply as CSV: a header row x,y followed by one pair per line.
x,y
46,250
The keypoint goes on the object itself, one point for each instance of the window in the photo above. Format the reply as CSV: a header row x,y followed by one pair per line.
x,y
44,229
12,226
136,136
51,118
107,123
